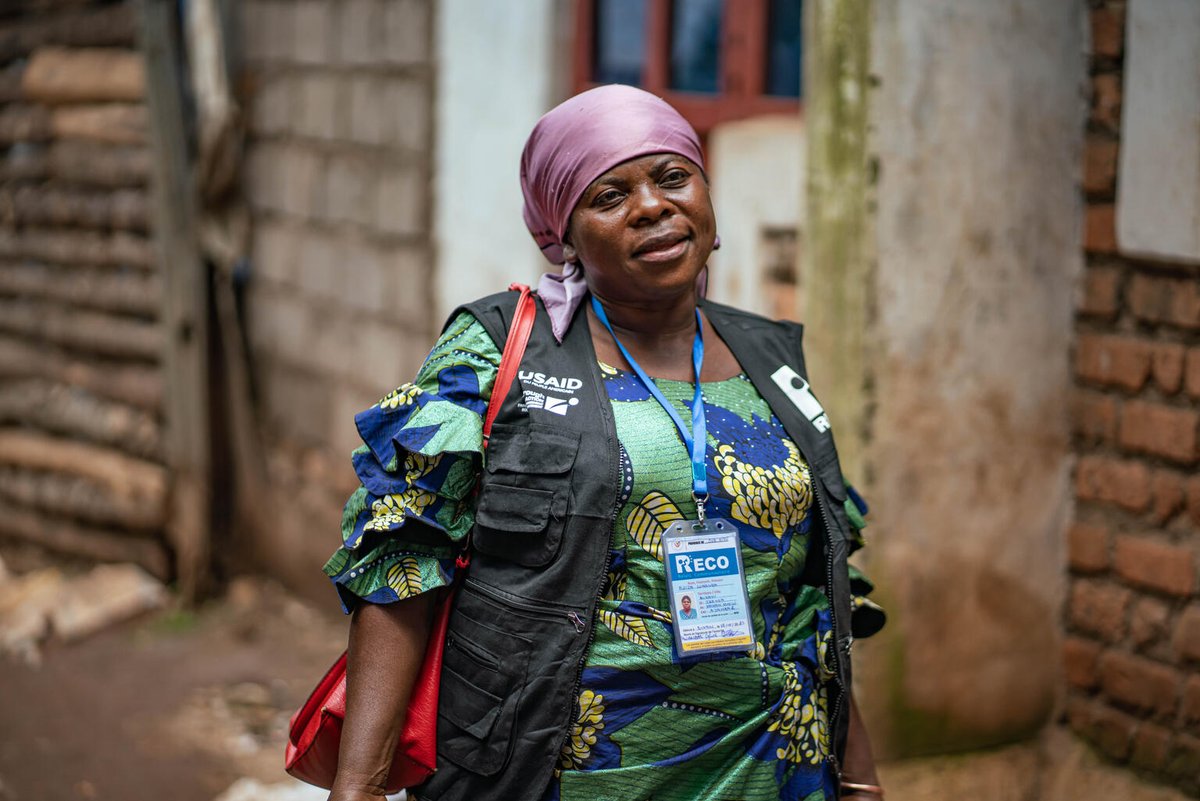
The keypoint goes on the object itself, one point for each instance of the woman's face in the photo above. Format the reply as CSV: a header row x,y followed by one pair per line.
x,y
644,229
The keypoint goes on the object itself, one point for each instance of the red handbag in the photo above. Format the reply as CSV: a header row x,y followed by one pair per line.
x,y
316,729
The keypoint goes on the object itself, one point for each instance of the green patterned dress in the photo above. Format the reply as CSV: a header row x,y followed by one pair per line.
x,y
649,724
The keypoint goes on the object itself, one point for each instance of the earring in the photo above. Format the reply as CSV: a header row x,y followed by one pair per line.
x,y
717,242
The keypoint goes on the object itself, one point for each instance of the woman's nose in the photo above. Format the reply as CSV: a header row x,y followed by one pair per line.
x,y
649,203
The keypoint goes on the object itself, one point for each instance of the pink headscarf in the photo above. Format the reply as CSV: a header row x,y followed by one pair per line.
x,y
575,143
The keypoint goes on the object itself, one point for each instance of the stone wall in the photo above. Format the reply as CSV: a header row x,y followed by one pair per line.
x,y
337,174
1133,617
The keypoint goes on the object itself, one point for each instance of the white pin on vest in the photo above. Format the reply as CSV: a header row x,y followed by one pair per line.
x,y
796,388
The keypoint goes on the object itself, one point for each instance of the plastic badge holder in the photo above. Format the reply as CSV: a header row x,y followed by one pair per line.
x,y
704,562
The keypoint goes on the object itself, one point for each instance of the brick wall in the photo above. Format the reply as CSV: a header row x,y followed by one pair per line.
x,y
338,178
1132,650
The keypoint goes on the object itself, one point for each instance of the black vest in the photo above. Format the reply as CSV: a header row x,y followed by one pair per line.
x,y
522,620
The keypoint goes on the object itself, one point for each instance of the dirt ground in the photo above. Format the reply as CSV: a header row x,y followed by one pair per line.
x,y
174,706
182,706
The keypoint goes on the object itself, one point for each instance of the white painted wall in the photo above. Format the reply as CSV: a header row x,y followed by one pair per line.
x,y
497,73
757,172
1158,191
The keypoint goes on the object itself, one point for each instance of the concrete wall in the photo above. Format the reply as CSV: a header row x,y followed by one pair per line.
x,y
498,72
338,171
758,219
977,121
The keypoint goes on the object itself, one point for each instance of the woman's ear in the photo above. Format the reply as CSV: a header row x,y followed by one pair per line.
x,y
569,254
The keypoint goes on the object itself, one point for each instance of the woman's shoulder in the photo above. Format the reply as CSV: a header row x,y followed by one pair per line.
x,y
496,300
491,312
463,331
747,319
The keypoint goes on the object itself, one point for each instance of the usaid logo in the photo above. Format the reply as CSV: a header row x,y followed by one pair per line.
x,y
798,392
543,382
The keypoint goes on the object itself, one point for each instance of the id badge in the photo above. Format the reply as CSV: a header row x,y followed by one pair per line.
x,y
707,587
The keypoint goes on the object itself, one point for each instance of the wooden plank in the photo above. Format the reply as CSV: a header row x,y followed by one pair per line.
x,y
56,246
23,123
80,415
109,25
24,163
185,304
98,164
132,479
138,385
88,164
66,536
57,75
35,8
122,209
114,123
117,291
79,499
82,331
10,82
239,454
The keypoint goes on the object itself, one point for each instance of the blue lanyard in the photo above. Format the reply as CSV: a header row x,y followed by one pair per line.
x,y
696,439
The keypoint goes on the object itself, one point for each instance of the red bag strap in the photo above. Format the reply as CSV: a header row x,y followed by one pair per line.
x,y
514,349
510,360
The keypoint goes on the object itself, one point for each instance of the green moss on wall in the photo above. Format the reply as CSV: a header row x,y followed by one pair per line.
x,y
837,254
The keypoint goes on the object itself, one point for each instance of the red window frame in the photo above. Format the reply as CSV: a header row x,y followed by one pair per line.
x,y
743,63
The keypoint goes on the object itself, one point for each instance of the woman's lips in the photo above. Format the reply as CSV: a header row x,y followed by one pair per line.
x,y
665,251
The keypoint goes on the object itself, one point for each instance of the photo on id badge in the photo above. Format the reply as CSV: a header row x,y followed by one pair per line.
x,y
707,587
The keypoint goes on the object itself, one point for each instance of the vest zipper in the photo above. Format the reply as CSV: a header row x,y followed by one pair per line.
x,y
580,625
537,610
837,673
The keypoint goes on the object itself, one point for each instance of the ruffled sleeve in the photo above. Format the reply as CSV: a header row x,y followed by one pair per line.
x,y
404,526
867,617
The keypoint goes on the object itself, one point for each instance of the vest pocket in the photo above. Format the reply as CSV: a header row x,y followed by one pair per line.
x,y
520,524
522,506
533,449
477,702
469,708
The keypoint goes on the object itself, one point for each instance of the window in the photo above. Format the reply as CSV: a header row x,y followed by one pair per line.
x,y
714,60
620,41
784,63
695,45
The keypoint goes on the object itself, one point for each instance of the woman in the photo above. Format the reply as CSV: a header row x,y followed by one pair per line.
x,y
655,445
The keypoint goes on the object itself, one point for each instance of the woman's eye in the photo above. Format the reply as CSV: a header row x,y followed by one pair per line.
x,y
607,197
675,176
